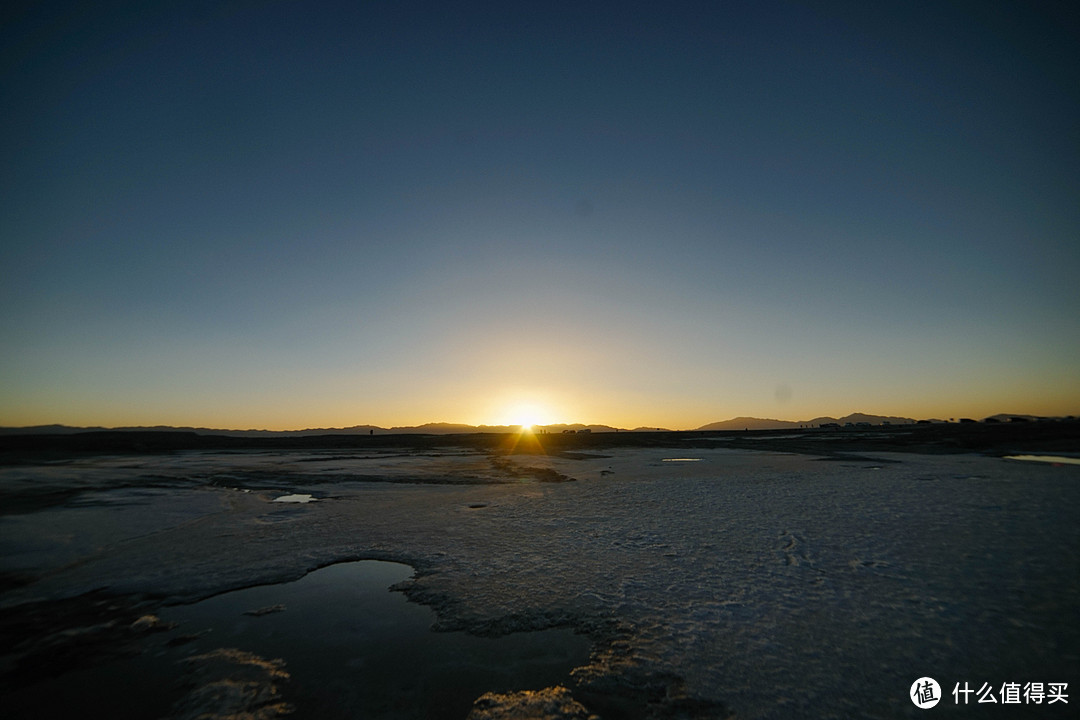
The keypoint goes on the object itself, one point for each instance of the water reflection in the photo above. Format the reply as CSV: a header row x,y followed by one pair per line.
x,y
353,649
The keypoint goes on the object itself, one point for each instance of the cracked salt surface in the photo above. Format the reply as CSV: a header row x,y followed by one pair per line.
x,y
761,583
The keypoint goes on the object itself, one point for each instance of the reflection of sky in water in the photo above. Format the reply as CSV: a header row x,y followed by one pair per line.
x,y
354,649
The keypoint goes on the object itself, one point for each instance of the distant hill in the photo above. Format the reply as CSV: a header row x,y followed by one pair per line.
x,y
863,417
1009,417
575,427
68,430
750,423
753,423
440,428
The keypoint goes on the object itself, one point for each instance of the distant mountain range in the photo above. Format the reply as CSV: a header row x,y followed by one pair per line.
x,y
739,423
426,429
753,423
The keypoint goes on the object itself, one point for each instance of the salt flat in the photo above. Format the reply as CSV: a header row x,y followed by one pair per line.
x,y
759,583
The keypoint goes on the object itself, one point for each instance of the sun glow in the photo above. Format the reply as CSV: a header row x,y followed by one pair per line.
x,y
527,415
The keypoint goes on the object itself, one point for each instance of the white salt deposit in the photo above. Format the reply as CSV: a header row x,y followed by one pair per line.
x,y
1058,459
296,498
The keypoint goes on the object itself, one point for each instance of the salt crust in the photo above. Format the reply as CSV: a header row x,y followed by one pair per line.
x,y
773,585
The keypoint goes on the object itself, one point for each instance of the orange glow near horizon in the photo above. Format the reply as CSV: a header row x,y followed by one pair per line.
x,y
510,403
526,413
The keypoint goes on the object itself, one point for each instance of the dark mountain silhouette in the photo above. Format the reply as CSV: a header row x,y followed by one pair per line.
x,y
438,428
444,428
750,423
68,430
1014,417
577,427
753,423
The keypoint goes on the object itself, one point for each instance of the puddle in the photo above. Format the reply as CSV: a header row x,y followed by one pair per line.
x,y
351,648
1057,459
354,649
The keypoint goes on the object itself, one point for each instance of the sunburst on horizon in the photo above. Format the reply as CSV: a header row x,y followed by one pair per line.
x,y
527,415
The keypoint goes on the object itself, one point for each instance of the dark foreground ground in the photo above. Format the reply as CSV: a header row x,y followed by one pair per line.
x,y
770,574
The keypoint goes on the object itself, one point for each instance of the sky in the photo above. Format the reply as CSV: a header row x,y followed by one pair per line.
x,y
322,214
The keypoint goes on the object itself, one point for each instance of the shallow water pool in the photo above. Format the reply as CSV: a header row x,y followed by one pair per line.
x,y
355,649
350,646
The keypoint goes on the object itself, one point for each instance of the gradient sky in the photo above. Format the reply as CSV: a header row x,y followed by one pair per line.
x,y
313,214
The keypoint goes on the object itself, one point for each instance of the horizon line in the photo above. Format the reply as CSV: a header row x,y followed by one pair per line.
x,y
510,426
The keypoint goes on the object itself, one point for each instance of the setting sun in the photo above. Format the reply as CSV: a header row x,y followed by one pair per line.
x,y
527,414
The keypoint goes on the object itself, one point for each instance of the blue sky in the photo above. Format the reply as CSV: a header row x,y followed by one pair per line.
x,y
285,214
